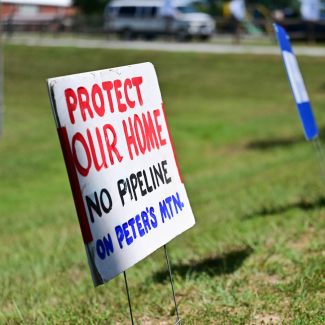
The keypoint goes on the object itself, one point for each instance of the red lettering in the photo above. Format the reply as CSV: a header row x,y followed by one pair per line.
x,y
93,151
150,132
128,83
117,85
130,140
111,147
108,86
84,104
137,124
137,81
69,93
78,137
156,113
100,110
74,183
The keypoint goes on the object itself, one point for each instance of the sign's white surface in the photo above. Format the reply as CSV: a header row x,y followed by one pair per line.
x,y
123,172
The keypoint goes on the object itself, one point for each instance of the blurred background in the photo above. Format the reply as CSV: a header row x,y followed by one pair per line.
x,y
180,20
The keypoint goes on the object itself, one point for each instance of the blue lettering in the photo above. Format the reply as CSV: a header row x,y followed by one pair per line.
x,y
168,201
108,244
119,235
177,202
100,249
131,224
129,240
163,211
154,222
145,221
139,225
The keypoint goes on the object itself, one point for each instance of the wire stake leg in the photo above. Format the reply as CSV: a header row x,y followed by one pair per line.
x,y
321,150
171,282
319,158
127,291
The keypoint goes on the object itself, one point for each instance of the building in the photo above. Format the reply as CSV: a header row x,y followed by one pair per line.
x,y
37,9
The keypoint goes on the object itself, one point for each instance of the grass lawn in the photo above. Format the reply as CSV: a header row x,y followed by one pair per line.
x,y
257,251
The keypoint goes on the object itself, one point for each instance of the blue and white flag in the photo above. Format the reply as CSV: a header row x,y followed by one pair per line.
x,y
238,9
167,9
297,84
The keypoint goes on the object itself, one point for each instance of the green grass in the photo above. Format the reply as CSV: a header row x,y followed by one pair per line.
x,y
258,247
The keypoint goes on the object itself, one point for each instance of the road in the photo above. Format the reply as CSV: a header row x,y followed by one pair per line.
x,y
162,46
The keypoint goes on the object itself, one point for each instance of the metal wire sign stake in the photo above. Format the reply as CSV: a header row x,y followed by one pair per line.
x,y
320,155
127,188
172,285
127,291
300,95
171,282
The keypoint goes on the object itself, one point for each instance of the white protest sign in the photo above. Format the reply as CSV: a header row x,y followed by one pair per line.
x,y
128,192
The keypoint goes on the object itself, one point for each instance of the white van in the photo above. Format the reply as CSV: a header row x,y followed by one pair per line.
x,y
130,18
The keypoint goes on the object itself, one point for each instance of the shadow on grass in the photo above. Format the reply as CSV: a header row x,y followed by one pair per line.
x,y
273,143
303,205
213,266
281,142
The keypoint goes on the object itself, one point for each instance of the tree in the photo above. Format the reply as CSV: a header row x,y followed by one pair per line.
x,y
89,7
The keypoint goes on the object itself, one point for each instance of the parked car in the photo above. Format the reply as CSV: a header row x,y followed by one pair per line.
x,y
132,18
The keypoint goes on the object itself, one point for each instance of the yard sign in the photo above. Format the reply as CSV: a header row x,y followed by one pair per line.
x,y
127,188
297,84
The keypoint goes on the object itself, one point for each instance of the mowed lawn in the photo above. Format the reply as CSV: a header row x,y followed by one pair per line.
x,y
257,251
